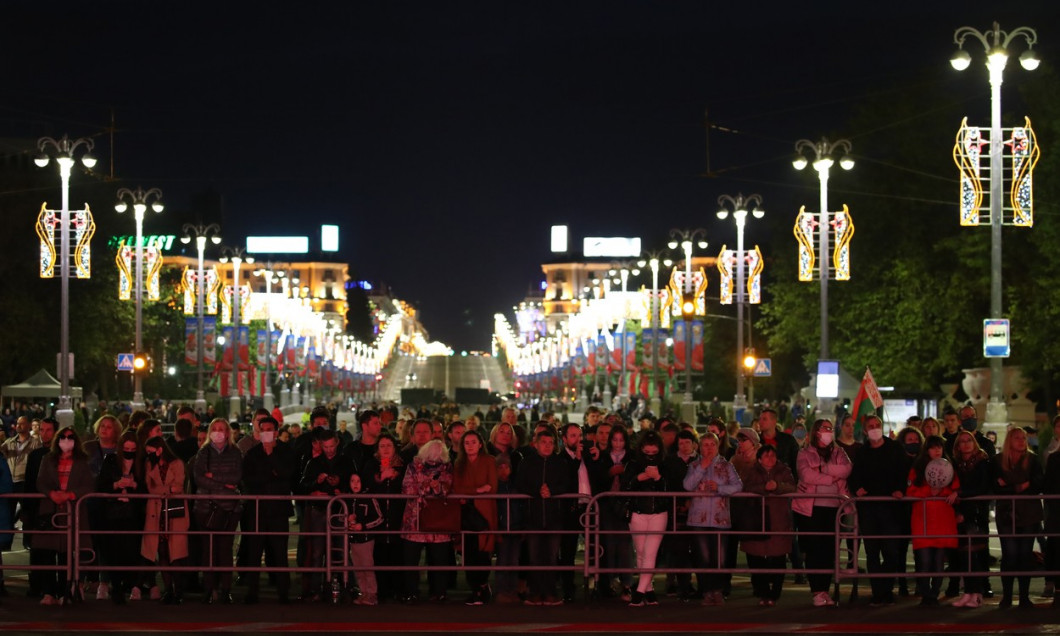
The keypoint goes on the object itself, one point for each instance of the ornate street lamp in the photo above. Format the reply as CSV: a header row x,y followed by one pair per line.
x,y
737,207
64,151
140,200
201,234
996,45
235,255
823,161
690,288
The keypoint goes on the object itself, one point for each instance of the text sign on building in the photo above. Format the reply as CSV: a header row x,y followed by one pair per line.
x,y
996,338
617,247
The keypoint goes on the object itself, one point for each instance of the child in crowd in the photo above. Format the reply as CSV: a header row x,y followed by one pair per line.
x,y
365,514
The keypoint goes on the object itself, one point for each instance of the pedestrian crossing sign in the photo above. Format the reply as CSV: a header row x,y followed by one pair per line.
x,y
125,362
764,368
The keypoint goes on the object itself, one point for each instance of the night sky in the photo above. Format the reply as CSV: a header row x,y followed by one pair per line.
x,y
446,137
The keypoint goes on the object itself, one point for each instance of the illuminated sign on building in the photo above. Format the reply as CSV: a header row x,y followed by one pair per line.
x,y
278,244
161,241
559,238
616,247
329,238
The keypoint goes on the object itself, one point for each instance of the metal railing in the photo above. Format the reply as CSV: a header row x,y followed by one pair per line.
x,y
71,523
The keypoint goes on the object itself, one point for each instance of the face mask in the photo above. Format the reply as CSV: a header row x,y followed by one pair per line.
x,y
800,434
826,438
969,424
875,434
651,459
912,448
268,437
1032,441
66,445
218,437
128,454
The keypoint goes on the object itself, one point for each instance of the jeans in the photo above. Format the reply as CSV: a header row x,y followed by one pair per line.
x,y
542,549
710,550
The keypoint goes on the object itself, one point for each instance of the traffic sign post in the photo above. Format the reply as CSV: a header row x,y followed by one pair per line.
x,y
764,368
996,338
125,362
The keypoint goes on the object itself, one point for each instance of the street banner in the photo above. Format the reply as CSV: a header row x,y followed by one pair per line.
x,y
244,348
209,341
631,349
260,350
647,337
663,349
679,344
191,347
697,345
230,346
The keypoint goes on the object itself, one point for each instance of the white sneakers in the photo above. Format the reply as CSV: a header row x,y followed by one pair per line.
x,y
155,594
135,594
50,600
968,600
821,599
102,592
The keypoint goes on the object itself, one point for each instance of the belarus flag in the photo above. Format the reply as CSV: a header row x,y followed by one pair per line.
x,y
868,401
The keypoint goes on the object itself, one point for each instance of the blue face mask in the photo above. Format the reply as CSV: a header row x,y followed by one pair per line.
x,y
1032,440
970,424
799,433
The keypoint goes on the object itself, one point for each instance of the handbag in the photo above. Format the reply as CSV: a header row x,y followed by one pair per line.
x,y
439,515
174,508
471,519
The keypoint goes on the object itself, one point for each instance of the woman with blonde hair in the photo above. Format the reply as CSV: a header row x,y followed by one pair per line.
x,y
1017,471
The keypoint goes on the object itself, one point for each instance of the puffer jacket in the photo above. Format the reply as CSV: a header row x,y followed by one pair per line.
x,y
820,477
712,511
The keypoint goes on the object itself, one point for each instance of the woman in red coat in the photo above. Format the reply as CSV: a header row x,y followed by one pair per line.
x,y
475,473
934,521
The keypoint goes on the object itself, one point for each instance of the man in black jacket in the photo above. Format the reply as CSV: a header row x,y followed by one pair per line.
x,y
267,469
543,476
881,469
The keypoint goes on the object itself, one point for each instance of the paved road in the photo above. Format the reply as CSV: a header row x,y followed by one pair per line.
x,y
740,615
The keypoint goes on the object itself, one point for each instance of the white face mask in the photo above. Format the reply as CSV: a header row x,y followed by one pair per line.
x,y
875,434
66,445
268,437
218,437
826,438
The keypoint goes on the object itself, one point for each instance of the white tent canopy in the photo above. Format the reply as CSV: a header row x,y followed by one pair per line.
x,y
40,385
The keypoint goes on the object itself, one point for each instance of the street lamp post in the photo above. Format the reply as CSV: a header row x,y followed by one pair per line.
x,y
139,199
237,258
822,163
64,157
653,262
685,239
996,44
623,271
269,275
201,234
739,206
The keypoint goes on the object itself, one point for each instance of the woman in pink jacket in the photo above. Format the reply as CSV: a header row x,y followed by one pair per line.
x,y
823,469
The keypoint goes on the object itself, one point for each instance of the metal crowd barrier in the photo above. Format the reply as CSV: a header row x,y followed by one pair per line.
x,y
847,535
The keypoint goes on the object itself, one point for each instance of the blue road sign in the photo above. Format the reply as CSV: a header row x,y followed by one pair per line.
x,y
125,362
763,368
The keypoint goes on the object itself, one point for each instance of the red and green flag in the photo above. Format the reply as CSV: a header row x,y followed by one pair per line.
x,y
867,402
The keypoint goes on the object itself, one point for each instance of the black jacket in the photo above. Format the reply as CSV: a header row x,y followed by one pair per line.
x,y
535,470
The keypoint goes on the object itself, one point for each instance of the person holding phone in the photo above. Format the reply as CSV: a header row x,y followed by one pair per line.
x,y
647,472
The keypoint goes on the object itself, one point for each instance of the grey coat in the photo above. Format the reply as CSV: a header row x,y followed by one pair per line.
x,y
226,469
81,483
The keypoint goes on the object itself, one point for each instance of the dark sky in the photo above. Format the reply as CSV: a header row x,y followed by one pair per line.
x,y
446,137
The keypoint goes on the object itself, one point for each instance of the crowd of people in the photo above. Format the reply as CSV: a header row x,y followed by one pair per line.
x,y
421,489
